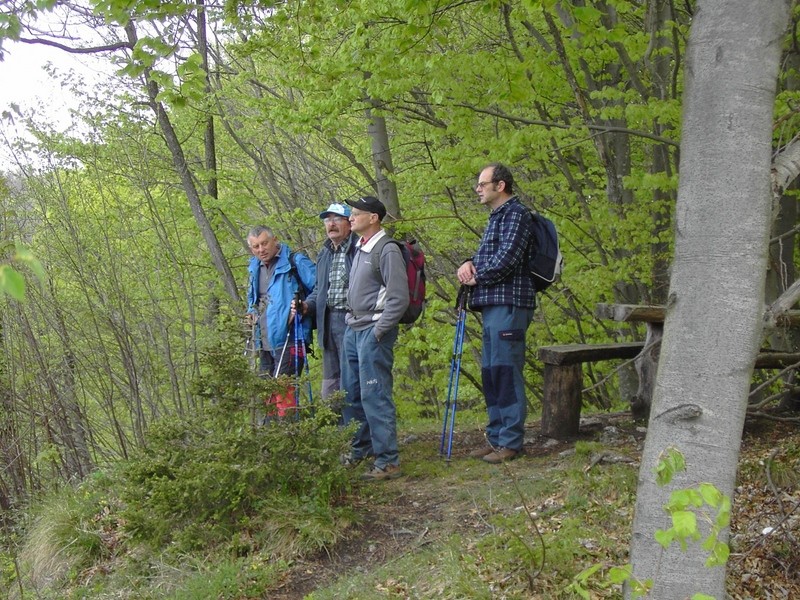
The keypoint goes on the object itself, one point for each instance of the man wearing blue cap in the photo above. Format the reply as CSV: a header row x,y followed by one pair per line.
x,y
328,301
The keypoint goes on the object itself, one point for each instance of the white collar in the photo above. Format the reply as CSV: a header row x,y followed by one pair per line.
x,y
372,241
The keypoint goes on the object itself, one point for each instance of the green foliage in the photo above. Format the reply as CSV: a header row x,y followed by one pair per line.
x,y
72,529
201,478
685,526
208,481
580,102
231,579
228,383
672,462
684,507
684,519
12,281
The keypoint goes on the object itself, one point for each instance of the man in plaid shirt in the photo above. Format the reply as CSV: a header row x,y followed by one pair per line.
x,y
504,293
328,301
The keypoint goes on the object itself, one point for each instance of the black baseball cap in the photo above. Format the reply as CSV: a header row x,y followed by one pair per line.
x,y
369,204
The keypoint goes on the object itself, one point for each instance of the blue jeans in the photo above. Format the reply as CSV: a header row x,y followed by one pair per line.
x,y
367,380
504,329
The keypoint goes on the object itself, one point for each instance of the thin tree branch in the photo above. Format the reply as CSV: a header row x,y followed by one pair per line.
x,y
71,50
590,126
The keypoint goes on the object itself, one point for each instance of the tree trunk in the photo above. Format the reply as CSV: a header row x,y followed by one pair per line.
x,y
189,187
664,55
382,161
716,298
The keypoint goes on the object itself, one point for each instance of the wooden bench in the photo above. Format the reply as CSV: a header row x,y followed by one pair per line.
x,y
563,379
563,382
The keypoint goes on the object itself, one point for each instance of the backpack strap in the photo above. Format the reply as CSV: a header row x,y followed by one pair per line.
x,y
379,246
294,273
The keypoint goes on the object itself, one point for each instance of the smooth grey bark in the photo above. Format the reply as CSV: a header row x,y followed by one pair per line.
x,y
382,161
714,321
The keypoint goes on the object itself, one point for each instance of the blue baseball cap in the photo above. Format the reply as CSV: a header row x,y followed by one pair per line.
x,y
341,210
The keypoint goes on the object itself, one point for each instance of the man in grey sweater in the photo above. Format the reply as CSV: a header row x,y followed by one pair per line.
x,y
377,297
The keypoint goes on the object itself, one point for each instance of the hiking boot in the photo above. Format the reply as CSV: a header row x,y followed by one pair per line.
x,y
481,452
501,455
382,474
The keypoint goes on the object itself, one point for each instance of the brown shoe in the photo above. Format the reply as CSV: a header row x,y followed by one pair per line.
x,y
481,452
382,474
501,455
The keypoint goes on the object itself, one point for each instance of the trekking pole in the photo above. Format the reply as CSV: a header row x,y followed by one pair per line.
x,y
283,353
455,371
300,347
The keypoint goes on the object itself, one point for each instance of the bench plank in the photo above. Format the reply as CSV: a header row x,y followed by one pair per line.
x,y
571,354
772,359
563,378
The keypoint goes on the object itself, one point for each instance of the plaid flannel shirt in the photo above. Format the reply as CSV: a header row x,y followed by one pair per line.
x,y
501,261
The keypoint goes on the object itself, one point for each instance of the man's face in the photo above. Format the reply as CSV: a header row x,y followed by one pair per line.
x,y
337,228
264,247
488,192
361,221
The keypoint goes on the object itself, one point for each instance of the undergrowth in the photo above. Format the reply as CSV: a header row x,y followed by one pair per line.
x,y
213,502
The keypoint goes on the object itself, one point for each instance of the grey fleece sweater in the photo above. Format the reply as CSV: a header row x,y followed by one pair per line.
x,y
371,301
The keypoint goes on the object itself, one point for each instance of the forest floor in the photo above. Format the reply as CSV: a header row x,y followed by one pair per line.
x,y
424,509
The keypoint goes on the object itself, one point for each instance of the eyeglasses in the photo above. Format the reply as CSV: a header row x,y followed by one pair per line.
x,y
358,213
334,219
483,184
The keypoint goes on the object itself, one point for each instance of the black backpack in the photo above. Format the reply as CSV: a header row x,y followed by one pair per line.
x,y
544,256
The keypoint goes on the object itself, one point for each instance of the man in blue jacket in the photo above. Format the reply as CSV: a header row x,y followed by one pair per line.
x,y
504,292
275,275
328,301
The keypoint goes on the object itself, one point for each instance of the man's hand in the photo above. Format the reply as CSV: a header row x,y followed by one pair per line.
x,y
466,273
293,310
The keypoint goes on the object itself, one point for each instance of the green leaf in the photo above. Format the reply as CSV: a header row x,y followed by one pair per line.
x,y
664,537
681,499
12,283
619,575
711,495
685,523
640,589
724,515
24,255
719,555
586,14
586,573
672,461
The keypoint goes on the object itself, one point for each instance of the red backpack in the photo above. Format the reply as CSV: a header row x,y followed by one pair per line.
x,y
414,258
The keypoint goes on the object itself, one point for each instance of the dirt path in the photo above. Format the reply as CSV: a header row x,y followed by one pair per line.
x,y
413,513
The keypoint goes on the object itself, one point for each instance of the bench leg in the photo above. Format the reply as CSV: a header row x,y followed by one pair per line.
x,y
646,366
561,404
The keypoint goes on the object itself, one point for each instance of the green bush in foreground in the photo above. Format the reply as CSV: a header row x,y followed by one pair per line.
x,y
195,486
208,484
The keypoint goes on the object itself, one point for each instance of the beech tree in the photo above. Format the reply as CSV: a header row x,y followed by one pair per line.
x,y
715,308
